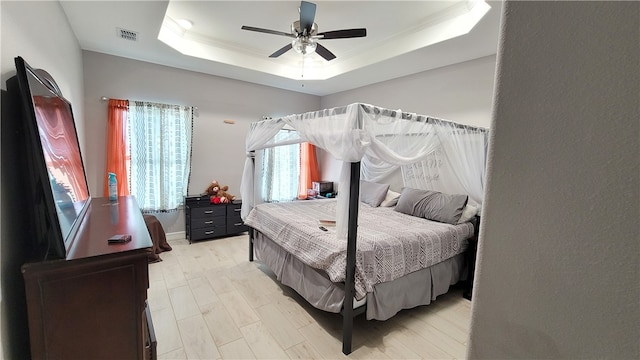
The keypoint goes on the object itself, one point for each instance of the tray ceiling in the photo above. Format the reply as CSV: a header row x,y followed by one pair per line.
x,y
403,38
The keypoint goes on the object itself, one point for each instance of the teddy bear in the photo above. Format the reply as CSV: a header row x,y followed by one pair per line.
x,y
218,194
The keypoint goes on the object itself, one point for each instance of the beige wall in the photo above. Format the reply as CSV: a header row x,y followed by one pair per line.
x,y
51,46
461,92
558,273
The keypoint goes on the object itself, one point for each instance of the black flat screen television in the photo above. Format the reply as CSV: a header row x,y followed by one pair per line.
x,y
57,179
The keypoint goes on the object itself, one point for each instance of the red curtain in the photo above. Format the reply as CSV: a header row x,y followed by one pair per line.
x,y
308,169
117,145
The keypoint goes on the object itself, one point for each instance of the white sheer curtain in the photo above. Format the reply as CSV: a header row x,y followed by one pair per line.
x,y
396,142
382,139
160,140
261,136
280,171
456,166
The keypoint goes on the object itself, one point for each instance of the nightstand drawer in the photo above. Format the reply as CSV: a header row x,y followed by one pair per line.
x,y
208,211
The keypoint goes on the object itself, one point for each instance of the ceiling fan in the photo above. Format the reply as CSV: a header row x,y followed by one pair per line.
x,y
305,34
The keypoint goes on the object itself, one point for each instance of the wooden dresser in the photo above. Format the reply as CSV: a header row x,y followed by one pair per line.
x,y
204,220
92,305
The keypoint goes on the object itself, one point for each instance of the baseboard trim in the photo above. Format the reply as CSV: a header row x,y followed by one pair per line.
x,y
178,235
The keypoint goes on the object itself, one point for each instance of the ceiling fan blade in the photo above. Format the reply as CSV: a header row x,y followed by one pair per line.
x,y
283,50
324,52
343,34
267,31
307,16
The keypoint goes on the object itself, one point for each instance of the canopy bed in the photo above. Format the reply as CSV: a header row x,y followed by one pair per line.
x,y
408,253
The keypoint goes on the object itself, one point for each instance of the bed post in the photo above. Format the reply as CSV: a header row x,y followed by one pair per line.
x,y
253,164
349,287
250,244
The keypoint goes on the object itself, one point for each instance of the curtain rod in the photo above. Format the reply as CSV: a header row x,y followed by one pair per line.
x,y
411,116
386,112
104,98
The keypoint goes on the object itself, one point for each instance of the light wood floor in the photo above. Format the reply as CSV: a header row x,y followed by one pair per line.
x,y
209,302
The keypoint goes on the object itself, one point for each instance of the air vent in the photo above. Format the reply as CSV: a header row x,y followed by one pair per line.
x,y
127,34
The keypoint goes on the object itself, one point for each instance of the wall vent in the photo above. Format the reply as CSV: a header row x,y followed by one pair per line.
x,y
127,34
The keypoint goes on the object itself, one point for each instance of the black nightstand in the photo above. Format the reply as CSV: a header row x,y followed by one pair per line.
x,y
472,249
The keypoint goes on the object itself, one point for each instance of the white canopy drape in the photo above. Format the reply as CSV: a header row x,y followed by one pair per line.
x,y
433,154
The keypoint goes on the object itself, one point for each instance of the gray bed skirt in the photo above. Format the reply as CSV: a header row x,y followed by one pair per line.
x,y
414,289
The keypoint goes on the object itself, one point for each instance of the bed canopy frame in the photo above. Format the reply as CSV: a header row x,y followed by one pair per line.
x,y
373,141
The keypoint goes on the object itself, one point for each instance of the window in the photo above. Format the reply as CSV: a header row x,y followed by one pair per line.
x,y
149,150
159,156
281,171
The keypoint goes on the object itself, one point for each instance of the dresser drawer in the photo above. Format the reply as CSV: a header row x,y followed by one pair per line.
x,y
201,222
236,228
234,210
236,225
208,211
208,232
201,200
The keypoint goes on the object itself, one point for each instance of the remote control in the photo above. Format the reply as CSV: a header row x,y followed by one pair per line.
x,y
119,239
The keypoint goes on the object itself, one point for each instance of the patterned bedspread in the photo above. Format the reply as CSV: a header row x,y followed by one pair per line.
x,y
389,244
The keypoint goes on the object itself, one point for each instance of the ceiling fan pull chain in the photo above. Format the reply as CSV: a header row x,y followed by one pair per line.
x,y
302,72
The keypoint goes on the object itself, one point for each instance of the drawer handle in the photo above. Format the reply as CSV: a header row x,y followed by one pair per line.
x,y
209,222
237,224
209,232
208,212
236,210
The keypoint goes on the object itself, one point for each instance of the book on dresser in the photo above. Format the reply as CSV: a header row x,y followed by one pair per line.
x,y
204,220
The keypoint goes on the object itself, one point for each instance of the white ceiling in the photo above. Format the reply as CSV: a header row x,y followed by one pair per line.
x,y
403,38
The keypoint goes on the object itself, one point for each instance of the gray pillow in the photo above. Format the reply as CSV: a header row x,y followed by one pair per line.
x,y
432,205
372,193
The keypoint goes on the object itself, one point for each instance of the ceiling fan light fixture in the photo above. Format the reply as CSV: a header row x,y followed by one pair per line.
x,y
303,45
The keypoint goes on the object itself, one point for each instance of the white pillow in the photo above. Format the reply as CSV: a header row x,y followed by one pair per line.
x,y
391,199
468,213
